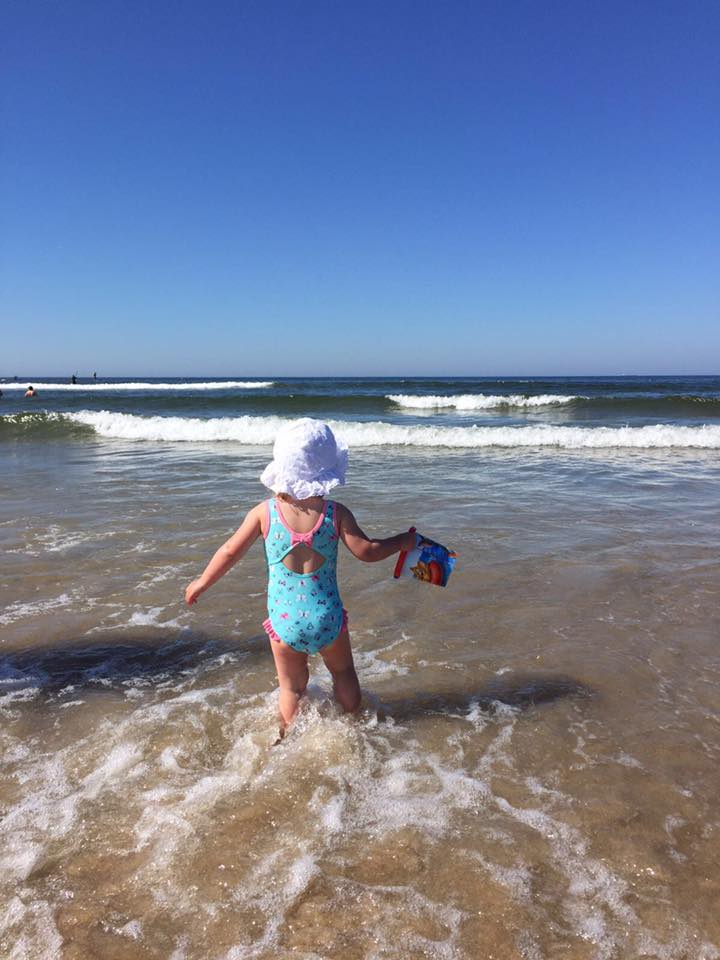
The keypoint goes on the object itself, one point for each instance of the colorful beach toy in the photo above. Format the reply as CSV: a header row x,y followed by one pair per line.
x,y
428,562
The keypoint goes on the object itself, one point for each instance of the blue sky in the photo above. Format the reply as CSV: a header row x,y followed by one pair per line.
x,y
372,188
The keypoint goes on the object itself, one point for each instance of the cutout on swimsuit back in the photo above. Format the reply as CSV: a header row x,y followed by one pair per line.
x,y
304,557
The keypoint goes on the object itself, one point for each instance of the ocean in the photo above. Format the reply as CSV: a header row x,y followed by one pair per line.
x,y
534,773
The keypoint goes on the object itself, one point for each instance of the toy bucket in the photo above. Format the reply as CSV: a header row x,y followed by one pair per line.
x,y
427,562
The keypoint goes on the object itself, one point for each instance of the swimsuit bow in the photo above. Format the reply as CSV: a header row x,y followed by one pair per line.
x,y
306,538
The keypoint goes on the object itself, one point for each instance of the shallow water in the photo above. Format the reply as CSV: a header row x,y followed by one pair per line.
x,y
534,773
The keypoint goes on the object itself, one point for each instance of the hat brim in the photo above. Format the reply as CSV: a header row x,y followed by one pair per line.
x,y
281,478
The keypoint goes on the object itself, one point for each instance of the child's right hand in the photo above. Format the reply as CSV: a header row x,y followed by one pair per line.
x,y
193,591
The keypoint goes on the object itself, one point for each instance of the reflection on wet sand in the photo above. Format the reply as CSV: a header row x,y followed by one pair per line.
x,y
112,659
519,691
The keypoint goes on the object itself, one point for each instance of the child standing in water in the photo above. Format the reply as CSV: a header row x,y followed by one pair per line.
x,y
301,531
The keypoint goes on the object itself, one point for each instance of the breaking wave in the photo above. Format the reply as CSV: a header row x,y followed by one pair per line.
x,y
261,431
479,401
143,385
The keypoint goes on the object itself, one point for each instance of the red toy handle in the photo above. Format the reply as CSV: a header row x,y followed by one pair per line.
x,y
401,559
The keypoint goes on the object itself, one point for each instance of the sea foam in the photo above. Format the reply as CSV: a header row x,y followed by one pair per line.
x,y
261,431
478,401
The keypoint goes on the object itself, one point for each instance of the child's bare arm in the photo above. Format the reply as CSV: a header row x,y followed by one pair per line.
x,y
228,554
362,547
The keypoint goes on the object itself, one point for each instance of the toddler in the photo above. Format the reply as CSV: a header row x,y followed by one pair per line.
x,y
301,530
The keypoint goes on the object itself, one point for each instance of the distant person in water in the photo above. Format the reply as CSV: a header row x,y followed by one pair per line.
x,y
31,391
73,379
94,376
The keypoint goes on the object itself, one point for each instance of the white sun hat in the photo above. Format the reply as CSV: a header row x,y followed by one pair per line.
x,y
308,460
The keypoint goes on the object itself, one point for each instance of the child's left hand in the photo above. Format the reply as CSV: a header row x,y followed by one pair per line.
x,y
193,591
409,540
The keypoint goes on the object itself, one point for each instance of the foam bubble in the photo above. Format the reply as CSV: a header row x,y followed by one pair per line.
x,y
168,572
517,879
179,953
131,929
47,810
120,760
31,928
150,618
372,666
22,610
331,811
57,540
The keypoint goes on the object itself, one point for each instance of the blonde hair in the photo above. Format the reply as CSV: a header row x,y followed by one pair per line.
x,y
288,498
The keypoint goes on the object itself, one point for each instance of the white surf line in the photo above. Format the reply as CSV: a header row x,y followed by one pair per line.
x,y
261,431
478,401
140,385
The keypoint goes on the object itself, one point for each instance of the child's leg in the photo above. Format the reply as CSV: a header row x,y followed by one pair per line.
x,y
339,661
292,671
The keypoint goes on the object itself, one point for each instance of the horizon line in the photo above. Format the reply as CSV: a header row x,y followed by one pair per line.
x,y
361,376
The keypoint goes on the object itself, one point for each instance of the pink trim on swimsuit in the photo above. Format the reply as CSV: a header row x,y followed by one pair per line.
x,y
267,528
296,537
273,635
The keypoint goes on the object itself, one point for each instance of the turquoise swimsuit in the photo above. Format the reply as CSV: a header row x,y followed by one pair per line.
x,y
304,609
